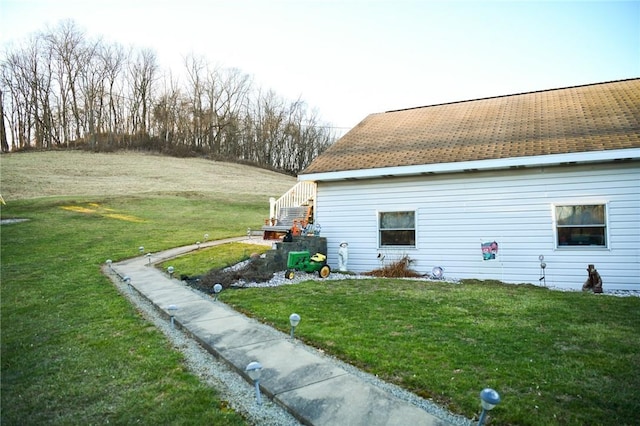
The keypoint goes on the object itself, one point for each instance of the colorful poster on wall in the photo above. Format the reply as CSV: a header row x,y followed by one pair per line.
x,y
489,250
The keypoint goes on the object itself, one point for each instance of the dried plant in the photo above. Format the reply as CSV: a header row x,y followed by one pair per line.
x,y
398,269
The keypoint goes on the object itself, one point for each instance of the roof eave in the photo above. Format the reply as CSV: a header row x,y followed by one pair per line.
x,y
493,164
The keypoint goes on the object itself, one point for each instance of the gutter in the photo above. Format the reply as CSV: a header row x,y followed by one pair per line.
x,y
465,166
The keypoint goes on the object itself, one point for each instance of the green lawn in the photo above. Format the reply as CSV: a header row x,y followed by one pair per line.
x,y
555,357
73,350
216,257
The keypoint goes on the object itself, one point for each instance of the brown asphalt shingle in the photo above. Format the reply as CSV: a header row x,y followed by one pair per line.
x,y
595,117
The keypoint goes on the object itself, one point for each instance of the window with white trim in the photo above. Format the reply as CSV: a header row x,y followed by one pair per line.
x,y
583,225
397,228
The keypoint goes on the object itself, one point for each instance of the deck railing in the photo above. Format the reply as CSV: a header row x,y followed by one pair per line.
x,y
302,193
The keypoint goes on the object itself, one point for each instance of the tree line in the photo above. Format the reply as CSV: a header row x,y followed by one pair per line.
x,y
63,89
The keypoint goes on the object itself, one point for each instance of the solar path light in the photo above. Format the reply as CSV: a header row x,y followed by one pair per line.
x,y
109,262
489,399
172,310
206,237
127,281
141,249
217,288
198,244
254,370
149,257
171,270
294,319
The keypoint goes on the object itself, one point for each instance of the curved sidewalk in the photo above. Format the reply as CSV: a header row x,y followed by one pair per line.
x,y
310,386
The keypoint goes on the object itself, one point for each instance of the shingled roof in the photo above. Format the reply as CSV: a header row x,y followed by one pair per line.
x,y
580,119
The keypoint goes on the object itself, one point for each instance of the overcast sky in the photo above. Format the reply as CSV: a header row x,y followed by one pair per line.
x,y
351,58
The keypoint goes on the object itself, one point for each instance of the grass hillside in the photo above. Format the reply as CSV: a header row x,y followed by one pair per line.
x,y
79,173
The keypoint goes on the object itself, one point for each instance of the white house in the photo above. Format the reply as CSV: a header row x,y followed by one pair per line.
x,y
486,187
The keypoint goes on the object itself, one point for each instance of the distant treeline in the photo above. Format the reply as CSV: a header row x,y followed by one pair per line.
x,y
61,89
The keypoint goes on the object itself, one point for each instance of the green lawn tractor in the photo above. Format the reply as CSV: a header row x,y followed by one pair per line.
x,y
303,261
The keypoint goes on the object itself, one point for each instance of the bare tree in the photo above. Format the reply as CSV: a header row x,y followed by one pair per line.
x,y
11,111
68,53
4,144
227,90
168,114
143,74
92,86
20,77
195,67
114,59
46,131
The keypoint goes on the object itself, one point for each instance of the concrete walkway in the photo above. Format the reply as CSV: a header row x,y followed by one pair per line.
x,y
311,387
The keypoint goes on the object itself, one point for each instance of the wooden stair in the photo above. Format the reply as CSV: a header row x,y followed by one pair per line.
x,y
293,211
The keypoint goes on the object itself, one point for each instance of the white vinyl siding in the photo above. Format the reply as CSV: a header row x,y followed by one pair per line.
x,y
456,213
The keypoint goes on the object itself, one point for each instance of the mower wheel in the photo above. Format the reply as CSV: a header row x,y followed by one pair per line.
x,y
324,271
289,274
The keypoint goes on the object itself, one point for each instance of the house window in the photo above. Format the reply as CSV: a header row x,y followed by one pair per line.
x,y
397,228
581,225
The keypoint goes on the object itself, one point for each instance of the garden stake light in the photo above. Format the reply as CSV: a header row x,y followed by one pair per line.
x,y
127,280
254,370
141,249
172,309
294,319
489,399
216,290
170,270
109,261
149,257
543,277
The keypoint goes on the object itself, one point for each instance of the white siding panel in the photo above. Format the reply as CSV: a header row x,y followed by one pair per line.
x,y
457,212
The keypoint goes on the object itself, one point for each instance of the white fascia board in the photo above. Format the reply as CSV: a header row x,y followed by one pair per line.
x,y
503,163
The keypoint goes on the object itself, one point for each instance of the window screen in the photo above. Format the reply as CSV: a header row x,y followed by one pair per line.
x,y
581,225
397,228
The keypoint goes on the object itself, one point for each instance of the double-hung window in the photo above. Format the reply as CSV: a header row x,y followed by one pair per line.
x,y
583,225
397,228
